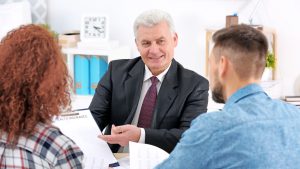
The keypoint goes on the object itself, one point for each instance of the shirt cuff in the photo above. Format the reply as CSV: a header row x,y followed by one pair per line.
x,y
142,137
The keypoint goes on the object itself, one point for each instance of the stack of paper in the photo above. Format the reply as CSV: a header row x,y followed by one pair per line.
x,y
294,100
145,156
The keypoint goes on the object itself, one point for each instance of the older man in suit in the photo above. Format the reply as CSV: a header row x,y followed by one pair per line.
x,y
152,98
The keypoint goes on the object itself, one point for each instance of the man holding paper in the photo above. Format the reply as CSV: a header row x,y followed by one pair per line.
x,y
253,130
150,99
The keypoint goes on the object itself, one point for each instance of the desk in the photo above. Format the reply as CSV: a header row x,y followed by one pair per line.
x,y
123,159
120,155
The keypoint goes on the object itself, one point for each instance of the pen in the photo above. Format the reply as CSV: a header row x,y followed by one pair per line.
x,y
80,109
116,164
69,114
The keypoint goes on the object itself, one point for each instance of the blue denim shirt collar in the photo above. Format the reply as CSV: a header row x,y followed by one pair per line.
x,y
243,93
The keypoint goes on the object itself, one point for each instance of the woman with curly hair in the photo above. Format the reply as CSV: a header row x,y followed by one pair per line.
x,y
34,87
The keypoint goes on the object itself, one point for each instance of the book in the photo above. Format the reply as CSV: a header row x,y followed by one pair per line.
x,y
292,98
94,73
81,74
103,66
98,67
294,103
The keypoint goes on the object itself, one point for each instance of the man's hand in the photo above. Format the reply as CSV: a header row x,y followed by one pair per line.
x,y
122,135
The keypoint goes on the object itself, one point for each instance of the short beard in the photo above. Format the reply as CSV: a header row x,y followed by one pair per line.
x,y
217,93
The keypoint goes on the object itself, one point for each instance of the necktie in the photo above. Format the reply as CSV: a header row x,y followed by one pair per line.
x,y
148,105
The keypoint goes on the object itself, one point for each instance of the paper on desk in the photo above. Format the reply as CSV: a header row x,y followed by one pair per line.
x,y
124,162
145,156
82,129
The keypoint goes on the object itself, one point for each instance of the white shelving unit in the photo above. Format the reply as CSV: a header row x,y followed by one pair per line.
x,y
83,101
269,33
122,52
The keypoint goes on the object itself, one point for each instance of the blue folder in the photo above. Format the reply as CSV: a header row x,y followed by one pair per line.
x,y
103,66
94,73
81,74
97,70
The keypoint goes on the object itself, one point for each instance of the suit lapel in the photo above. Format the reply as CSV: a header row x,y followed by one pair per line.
x,y
166,96
133,87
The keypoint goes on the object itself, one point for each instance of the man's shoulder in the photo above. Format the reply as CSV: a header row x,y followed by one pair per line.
x,y
123,63
121,68
224,119
214,119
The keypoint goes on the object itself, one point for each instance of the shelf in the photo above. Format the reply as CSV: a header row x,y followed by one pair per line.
x,y
269,33
81,101
86,51
109,54
122,52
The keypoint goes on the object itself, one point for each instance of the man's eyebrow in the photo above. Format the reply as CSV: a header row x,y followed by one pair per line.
x,y
144,40
162,37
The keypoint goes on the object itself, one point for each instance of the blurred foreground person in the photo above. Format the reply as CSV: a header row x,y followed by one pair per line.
x,y
34,87
252,131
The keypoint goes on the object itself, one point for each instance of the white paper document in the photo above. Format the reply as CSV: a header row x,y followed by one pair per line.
x,y
124,162
81,128
145,156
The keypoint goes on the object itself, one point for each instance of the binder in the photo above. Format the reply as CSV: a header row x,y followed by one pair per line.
x,y
94,73
81,74
98,67
103,66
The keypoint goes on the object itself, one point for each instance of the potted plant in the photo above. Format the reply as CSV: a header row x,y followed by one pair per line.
x,y
270,66
54,34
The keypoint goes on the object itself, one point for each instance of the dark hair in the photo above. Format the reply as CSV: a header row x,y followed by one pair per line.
x,y
34,83
245,47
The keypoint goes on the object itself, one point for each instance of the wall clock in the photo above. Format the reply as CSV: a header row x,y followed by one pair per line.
x,y
94,28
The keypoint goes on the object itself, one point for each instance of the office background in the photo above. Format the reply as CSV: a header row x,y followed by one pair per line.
x,y
192,18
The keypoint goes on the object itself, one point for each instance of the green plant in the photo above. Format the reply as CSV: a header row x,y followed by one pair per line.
x,y
54,34
270,61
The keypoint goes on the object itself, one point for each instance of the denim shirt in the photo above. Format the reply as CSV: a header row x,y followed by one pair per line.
x,y
253,131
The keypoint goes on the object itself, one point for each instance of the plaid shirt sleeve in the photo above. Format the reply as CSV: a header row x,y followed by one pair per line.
x,y
70,157
47,148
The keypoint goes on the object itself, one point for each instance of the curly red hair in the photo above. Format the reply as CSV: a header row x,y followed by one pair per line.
x,y
34,83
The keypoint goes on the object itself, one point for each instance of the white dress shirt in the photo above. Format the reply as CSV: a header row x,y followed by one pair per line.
x,y
146,85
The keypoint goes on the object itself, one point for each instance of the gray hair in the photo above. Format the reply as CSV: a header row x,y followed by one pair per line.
x,y
151,18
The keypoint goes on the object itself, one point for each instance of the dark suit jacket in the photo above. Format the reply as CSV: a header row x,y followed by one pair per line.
x,y
183,95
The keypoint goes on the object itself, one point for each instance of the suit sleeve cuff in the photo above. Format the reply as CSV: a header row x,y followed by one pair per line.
x,y
142,137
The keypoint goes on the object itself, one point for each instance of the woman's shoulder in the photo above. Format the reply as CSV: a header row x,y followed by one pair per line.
x,y
48,132
58,145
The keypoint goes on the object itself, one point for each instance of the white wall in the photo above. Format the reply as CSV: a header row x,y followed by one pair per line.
x,y
284,16
191,18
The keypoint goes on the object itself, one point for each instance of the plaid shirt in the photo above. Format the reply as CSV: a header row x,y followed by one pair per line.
x,y
47,148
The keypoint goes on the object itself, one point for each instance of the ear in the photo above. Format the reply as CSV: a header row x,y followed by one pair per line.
x,y
223,67
175,38
137,46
